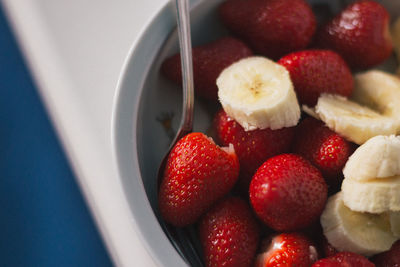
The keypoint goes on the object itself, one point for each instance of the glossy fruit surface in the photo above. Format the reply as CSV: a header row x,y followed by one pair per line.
x,y
229,234
197,174
324,148
314,72
360,33
288,193
287,249
251,147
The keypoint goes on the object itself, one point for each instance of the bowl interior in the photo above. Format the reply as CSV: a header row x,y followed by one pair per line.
x,y
148,110
161,101
147,113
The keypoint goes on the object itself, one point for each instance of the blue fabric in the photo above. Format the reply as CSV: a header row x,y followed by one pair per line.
x,y
43,218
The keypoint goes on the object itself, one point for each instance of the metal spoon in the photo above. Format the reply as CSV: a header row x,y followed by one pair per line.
x,y
182,238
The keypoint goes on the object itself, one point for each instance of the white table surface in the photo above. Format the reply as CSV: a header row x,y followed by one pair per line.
x,y
75,50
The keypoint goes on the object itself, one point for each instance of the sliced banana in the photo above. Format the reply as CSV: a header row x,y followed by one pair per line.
x,y
353,121
258,94
380,91
374,196
362,233
374,108
379,157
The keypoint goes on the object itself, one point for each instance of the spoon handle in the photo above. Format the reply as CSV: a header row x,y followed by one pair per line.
x,y
185,44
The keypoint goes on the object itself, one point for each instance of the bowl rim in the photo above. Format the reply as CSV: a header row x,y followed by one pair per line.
x,y
145,222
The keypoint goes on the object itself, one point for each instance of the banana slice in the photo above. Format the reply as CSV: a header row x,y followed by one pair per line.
x,y
362,233
353,121
380,91
374,196
258,94
379,157
374,108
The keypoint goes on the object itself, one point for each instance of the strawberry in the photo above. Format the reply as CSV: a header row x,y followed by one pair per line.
x,y
318,71
324,148
272,28
251,147
287,249
344,259
229,234
208,62
197,174
360,33
283,186
389,258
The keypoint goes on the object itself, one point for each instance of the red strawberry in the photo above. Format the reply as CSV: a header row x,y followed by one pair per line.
x,y
324,148
344,259
272,28
318,71
287,249
288,193
197,173
229,234
208,62
389,258
360,33
251,147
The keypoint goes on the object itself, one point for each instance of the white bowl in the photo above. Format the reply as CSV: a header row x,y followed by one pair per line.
x,y
143,95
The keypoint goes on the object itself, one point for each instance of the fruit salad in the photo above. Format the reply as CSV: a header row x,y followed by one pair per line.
x,y
302,165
